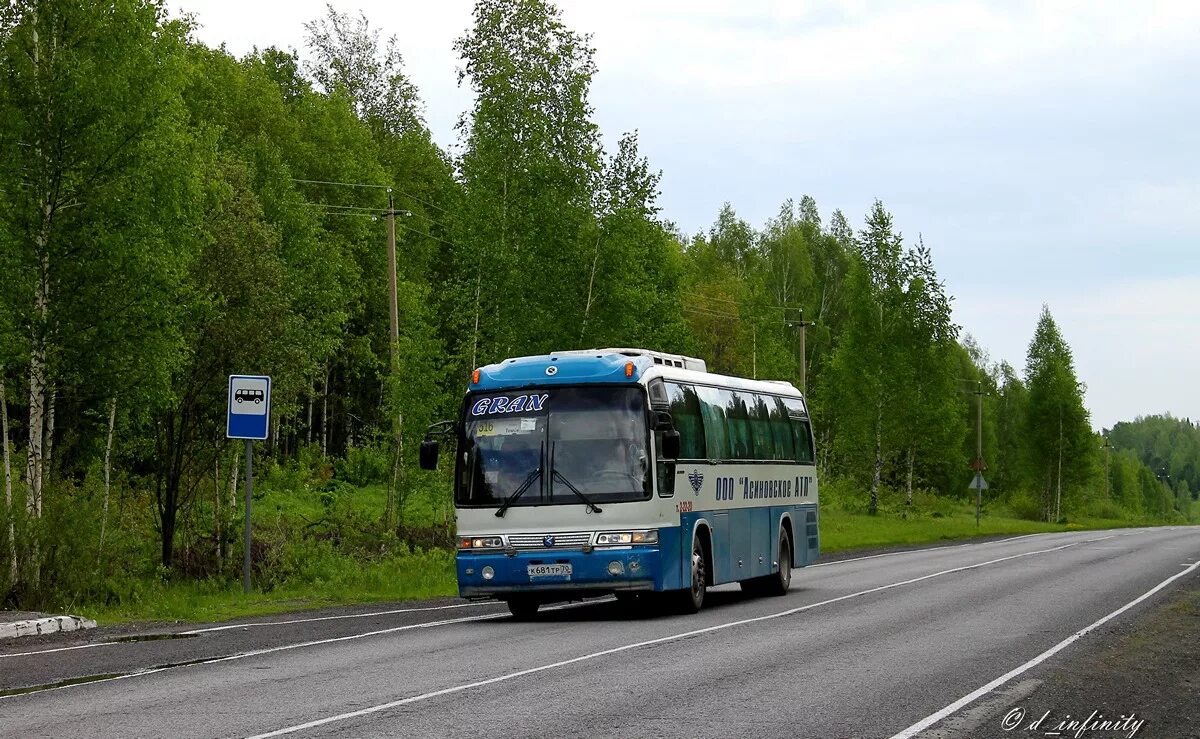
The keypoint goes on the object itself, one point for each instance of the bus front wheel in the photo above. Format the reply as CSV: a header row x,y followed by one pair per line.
x,y
690,599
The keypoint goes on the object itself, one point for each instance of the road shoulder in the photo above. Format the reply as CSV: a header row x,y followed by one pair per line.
x,y
1135,676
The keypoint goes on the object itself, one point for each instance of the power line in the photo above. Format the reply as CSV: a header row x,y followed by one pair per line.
x,y
376,213
341,184
423,202
378,187
351,215
428,235
739,304
382,211
714,314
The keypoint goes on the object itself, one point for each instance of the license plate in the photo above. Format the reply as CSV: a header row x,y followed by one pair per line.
x,y
556,570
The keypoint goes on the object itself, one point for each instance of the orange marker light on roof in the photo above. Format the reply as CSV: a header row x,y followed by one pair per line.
x,y
629,369
475,377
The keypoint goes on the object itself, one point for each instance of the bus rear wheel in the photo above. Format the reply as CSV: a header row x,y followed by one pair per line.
x,y
779,582
523,608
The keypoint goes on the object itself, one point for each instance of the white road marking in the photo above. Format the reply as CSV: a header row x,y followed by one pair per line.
x,y
335,618
933,718
932,549
286,647
258,652
257,623
647,643
63,649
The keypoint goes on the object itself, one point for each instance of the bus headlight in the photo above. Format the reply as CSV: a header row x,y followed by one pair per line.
x,y
481,542
627,537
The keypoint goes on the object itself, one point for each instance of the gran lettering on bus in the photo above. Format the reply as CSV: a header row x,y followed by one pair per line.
x,y
505,404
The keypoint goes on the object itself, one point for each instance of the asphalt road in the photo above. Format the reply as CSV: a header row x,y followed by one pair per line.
x,y
860,648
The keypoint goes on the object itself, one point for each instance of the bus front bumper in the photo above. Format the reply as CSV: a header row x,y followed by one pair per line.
x,y
598,571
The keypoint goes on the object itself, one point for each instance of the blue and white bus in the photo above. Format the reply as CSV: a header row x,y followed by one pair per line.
x,y
627,471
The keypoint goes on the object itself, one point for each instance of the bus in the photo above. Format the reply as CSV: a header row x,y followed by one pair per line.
x,y
627,472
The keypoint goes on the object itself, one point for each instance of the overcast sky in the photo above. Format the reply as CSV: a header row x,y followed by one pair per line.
x,y
1047,152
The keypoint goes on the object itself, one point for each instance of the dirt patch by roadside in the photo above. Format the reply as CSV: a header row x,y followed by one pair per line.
x,y
1137,677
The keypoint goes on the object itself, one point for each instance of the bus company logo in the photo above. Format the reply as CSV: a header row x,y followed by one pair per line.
x,y
696,479
548,541
505,404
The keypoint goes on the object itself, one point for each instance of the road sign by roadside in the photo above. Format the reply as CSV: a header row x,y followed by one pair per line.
x,y
248,418
978,483
249,407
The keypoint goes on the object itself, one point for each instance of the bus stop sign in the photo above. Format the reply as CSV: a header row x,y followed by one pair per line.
x,y
249,407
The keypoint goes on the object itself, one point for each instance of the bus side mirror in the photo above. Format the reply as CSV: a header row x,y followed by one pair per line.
x,y
429,454
670,444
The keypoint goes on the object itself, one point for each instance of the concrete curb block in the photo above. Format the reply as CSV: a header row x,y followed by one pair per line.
x,y
41,626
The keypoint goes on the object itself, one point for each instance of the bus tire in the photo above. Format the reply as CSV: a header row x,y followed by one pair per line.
x,y
779,582
523,608
691,599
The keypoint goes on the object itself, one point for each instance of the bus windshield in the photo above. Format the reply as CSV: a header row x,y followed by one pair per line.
x,y
593,438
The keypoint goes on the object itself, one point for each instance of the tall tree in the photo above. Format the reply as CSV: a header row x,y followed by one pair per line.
x,y
634,280
930,400
348,57
861,387
1057,434
531,168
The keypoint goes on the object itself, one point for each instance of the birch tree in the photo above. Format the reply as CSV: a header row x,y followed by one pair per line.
x,y
88,110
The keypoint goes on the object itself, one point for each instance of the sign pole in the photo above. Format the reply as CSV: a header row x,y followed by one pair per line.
x,y
249,496
978,504
248,418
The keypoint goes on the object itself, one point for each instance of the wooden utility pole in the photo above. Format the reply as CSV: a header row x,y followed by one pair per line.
x,y
394,347
1107,476
393,310
803,326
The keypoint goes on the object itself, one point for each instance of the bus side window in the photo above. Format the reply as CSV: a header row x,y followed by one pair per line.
x,y
804,445
738,417
760,428
685,412
712,412
781,429
801,431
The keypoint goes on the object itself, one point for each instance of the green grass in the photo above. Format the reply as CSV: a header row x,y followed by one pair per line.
x,y
843,531
401,577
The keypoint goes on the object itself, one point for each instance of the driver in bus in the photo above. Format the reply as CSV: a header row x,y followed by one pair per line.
x,y
520,457
631,456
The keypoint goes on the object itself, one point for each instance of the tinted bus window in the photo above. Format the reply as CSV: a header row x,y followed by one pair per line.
x,y
801,431
781,429
804,445
760,428
738,416
685,411
712,412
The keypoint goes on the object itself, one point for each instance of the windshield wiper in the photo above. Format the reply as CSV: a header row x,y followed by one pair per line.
x,y
555,474
524,485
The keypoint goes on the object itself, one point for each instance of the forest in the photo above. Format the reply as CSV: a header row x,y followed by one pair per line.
x,y
171,214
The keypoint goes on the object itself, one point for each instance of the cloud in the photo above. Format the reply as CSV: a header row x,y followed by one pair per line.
x,y
1133,340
